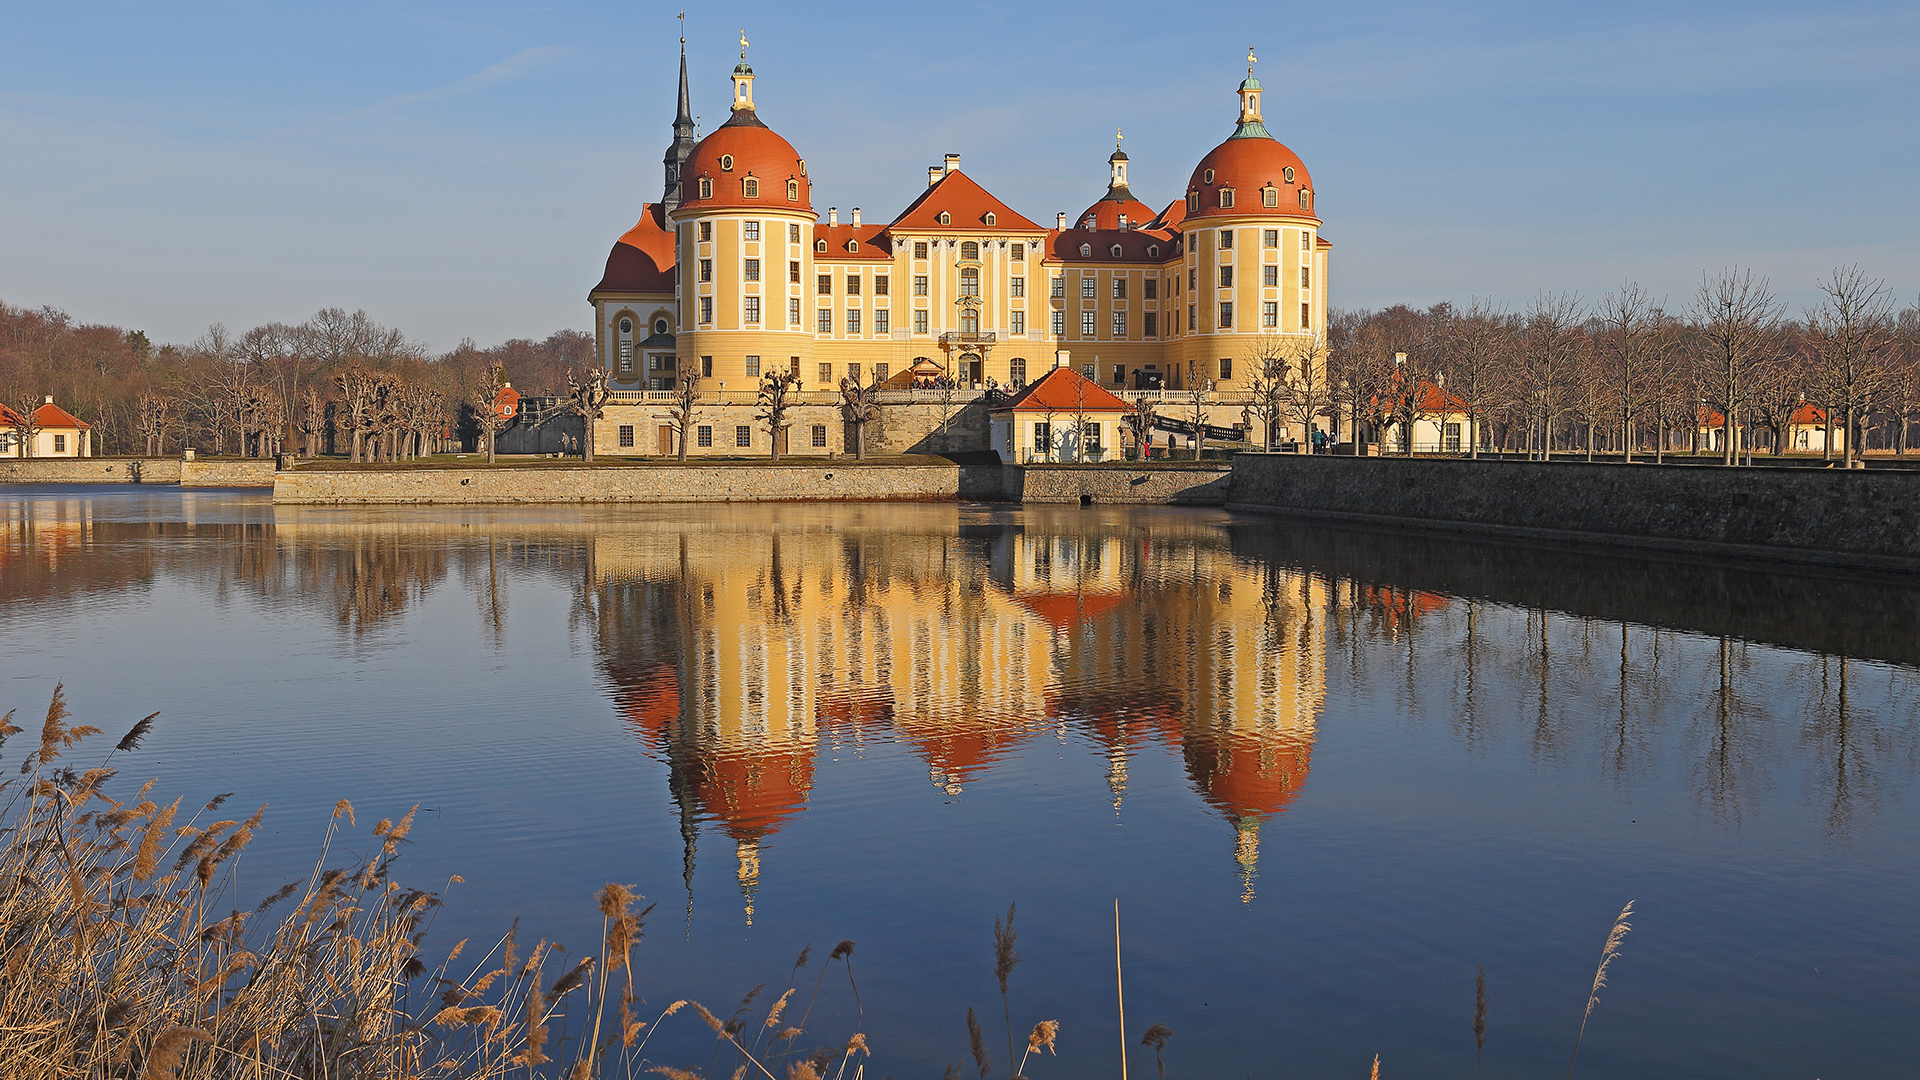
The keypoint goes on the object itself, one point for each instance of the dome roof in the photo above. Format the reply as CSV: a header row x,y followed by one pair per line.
x,y
1106,212
642,260
1246,164
744,147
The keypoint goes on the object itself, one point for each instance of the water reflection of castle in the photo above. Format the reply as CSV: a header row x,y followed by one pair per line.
x,y
734,652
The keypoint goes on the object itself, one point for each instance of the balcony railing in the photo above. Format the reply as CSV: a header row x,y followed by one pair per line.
x,y
965,338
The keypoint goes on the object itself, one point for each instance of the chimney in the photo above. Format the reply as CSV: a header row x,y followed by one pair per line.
x,y
49,399
833,217
1060,221
1061,359
1123,223
953,163
856,217
934,174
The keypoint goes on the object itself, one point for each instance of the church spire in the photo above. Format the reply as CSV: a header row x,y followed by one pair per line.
x,y
683,130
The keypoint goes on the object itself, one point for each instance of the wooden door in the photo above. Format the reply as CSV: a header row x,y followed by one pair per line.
x,y
666,439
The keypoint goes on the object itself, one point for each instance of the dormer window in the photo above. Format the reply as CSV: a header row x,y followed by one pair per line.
x,y
1205,177
1269,196
1306,202
1288,173
853,246
1226,197
1086,251
946,218
726,162
820,245
793,191
1153,251
706,188
1193,201
1115,250
990,218
750,188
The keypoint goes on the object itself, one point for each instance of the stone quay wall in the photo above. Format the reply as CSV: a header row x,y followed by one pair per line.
x,y
1856,518
217,472
908,428
1109,485
754,482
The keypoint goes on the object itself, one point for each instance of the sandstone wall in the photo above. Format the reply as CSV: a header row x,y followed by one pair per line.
x,y
1860,518
220,472
901,429
1106,485
661,483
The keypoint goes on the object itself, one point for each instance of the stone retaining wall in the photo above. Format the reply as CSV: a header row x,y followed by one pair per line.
x,y
219,472
1859,518
769,482
1106,485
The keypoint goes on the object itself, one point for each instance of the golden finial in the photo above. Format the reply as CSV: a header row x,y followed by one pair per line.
x,y
743,43
683,26
1251,60
1117,136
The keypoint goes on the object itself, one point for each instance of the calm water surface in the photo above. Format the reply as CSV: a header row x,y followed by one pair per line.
x,y
1327,774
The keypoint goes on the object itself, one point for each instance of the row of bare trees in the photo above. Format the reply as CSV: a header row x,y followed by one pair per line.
x,y
1731,372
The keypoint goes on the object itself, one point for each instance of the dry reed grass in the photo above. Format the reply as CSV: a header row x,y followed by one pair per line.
x,y
122,957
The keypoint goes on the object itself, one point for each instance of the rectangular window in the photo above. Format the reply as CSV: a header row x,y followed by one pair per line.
x,y
793,311
1226,277
1305,317
1017,369
1059,288
1087,285
1090,435
1303,277
743,435
706,309
1086,371
919,249
880,283
1150,324
853,321
883,321
1226,368
753,231
793,234
753,270
1450,438
1152,288
919,284
1119,374
1119,324
753,367
753,311
793,367
819,435
1226,239
823,323
1059,324
793,271
1018,253
626,434
1193,278
1270,315
706,367
824,285
853,372
1192,320
706,269
853,284
1226,198
919,322
1017,322
706,231
626,356
1306,240
826,374
880,373
1226,315
1270,276
1088,321
59,444
704,435
1017,286
1119,287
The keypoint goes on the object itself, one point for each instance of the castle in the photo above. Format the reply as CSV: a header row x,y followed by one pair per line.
x,y
732,276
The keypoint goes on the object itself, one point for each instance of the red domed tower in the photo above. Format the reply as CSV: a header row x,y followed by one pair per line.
x,y
1118,203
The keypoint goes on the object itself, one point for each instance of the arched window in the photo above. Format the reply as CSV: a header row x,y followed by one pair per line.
x,y
726,162
991,219
750,188
1116,251
946,218
1269,196
853,246
1306,202
706,188
793,191
1226,197
1193,201
969,281
819,245
969,250
1288,173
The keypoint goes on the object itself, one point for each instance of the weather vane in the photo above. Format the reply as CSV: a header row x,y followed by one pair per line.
x,y
683,26
743,43
1117,136
1251,60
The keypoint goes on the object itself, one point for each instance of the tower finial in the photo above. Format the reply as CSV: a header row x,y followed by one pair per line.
x,y
743,43
1251,60
1117,136
683,29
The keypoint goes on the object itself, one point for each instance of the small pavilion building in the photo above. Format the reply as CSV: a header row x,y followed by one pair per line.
x,y
56,433
1062,416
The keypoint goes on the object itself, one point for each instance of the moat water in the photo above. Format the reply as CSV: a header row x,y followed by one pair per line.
x,y
1329,775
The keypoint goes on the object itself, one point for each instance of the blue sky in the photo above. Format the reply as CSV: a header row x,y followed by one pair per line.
x,y
462,168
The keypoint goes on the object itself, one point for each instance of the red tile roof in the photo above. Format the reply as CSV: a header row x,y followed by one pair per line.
x,y
870,242
1106,212
642,260
1809,415
1247,165
1065,245
1063,390
53,416
751,149
967,202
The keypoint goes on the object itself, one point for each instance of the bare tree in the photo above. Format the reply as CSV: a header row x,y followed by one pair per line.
x,y
1197,390
1080,419
1627,336
587,397
154,413
1478,347
1902,393
860,406
686,395
312,421
1735,311
1305,395
1139,422
23,404
1779,387
489,415
775,399
1267,385
1852,327
1549,337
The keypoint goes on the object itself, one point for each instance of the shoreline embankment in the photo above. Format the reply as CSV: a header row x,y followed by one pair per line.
x,y
205,472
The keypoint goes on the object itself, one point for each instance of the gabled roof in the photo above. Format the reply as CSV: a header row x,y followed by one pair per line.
x,y
53,416
967,202
1809,415
868,239
642,260
1063,390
